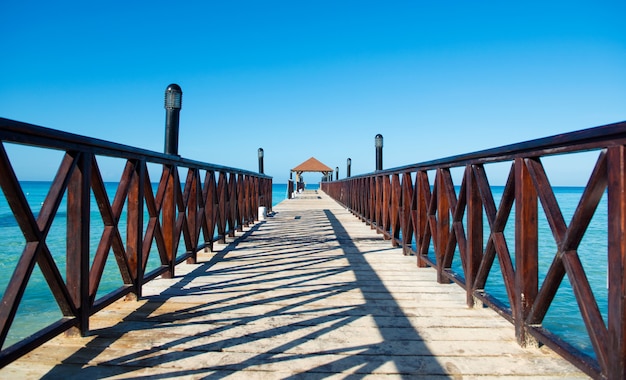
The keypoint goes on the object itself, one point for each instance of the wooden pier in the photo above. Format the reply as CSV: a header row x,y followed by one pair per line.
x,y
310,292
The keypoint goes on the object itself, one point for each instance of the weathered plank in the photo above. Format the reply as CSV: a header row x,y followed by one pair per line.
x,y
309,293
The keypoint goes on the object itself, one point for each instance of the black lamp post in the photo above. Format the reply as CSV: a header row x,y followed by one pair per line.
x,y
173,104
261,160
378,142
348,168
337,173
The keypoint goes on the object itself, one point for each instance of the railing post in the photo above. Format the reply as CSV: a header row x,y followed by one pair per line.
x,y
395,208
616,262
378,143
406,212
232,204
222,188
474,233
77,264
240,202
378,203
372,210
442,234
526,251
422,200
134,227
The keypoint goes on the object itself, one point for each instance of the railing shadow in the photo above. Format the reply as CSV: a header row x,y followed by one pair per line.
x,y
277,290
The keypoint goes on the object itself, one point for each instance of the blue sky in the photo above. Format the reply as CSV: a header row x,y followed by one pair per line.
x,y
316,78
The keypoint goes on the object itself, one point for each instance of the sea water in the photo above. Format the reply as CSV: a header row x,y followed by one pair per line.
x,y
38,307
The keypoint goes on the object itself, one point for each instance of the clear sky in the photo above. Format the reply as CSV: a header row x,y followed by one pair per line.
x,y
315,78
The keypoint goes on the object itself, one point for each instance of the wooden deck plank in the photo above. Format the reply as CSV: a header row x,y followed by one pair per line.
x,y
309,293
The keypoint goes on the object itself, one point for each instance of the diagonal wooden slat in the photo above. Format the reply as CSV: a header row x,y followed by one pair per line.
x,y
588,307
102,251
430,229
457,230
16,287
496,243
45,218
211,210
35,242
182,221
112,230
589,201
580,221
548,200
153,223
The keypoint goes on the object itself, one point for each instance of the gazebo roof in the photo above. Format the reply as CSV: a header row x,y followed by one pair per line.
x,y
312,165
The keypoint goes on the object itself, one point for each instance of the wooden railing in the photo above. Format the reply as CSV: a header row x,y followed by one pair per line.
x,y
213,202
440,222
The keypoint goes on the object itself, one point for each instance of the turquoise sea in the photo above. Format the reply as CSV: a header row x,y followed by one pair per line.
x,y
38,308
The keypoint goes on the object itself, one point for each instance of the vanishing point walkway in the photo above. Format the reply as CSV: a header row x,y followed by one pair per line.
x,y
310,293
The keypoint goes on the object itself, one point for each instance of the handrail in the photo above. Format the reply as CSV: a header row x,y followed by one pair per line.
x,y
448,222
214,202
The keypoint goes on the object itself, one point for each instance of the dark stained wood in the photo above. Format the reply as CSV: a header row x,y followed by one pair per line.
x,y
210,202
588,204
193,207
239,217
386,207
617,262
548,200
232,205
394,212
580,221
548,290
526,249
497,219
587,305
134,227
457,233
77,261
221,206
169,210
406,214
420,215
443,223
371,215
474,244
